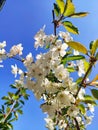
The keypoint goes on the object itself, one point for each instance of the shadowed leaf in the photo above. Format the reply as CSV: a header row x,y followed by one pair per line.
x,y
80,14
70,27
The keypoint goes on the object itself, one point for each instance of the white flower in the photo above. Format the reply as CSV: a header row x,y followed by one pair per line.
x,y
51,87
89,120
19,83
73,111
62,124
2,44
16,70
79,119
1,66
28,60
91,108
81,94
2,52
39,37
16,49
1,62
81,69
63,48
64,98
61,73
49,123
59,48
76,52
50,109
66,36
49,40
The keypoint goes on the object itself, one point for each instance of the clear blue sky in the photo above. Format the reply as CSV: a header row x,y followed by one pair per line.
x,y
19,22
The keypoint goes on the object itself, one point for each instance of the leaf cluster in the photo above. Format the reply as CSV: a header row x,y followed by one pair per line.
x,y
65,10
13,104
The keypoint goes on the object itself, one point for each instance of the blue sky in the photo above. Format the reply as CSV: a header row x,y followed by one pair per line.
x,y
19,22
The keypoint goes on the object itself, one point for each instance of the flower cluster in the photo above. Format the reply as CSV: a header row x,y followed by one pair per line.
x,y
50,77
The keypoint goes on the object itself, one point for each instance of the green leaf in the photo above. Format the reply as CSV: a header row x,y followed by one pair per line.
x,y
56,9
10,94
61,5
22,102
82,108
13,86
1,116
8,103
16,115
16,105
71,58
70,69
3,108
64,110
15,97
78,81
70,27
96,56
7,109
69,8
9,117
86,65
14,119
5,98
95,93
20,111
89,99
94,46
95,79
76,57
10,126
77,46
80,14
26,96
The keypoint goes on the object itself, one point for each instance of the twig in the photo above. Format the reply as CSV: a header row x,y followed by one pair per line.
x,y
77,125
54,21
85,76
13,105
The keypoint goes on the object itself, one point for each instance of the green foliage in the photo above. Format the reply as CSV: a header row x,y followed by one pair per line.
x,y
89,99
69,8
82,108
78,81
79,14
61,5
56,10
70,27
78,46
12,107
65,59
65,10
95,93
71,69
14,101
93,47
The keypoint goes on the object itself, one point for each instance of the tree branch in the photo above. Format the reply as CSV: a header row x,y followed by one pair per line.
x,y
77,125
54,22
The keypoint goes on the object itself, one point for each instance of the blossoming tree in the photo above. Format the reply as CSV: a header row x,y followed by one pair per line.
x,y
59,76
